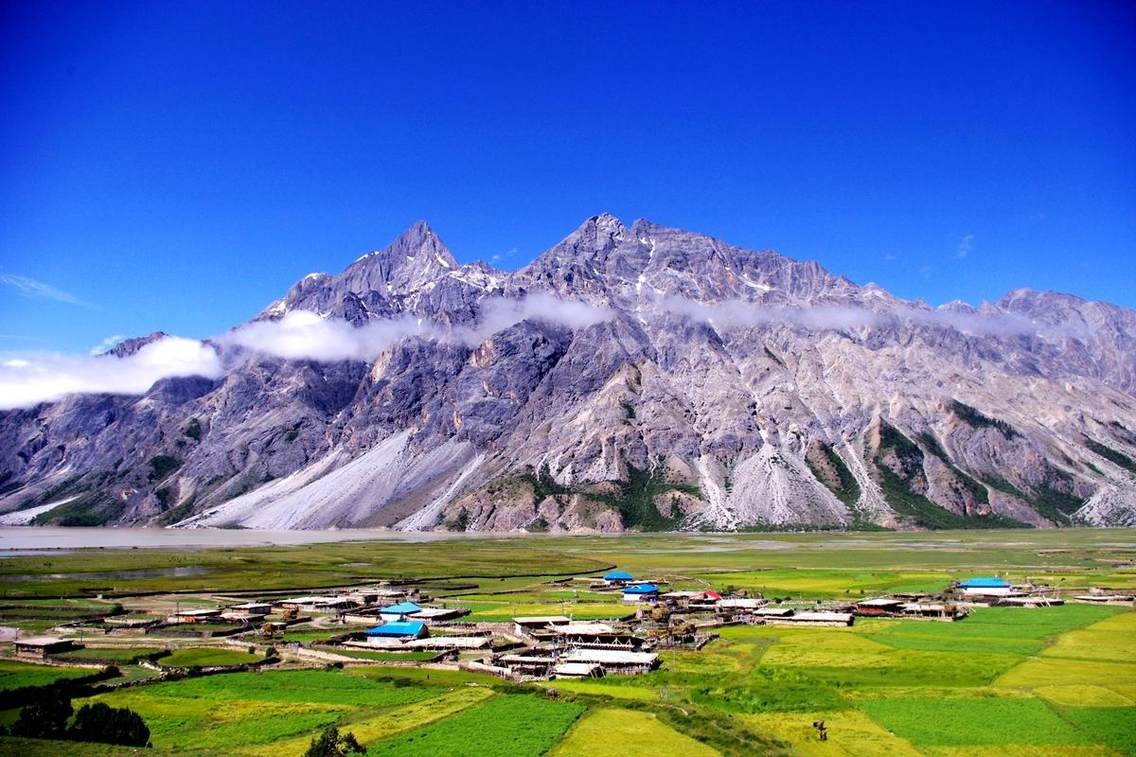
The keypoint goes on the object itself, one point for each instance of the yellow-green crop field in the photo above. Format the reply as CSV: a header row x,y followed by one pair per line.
x,y
1003,681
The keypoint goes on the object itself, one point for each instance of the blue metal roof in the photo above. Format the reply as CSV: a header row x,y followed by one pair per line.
x,y
402,608
985,583
617,575
642,589
397,628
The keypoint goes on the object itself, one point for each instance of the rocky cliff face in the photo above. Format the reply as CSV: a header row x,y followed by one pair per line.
x,y
631,377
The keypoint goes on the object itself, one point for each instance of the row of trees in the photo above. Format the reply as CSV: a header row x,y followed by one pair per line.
x,y
48,716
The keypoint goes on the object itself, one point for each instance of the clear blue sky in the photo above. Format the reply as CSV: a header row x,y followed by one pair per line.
x,y
177,166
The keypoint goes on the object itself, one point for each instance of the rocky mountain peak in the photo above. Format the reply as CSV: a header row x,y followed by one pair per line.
x,y
416,252
130,346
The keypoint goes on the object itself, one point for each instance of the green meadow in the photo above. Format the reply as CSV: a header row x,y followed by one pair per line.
x,y
1003,681
17,675
205,657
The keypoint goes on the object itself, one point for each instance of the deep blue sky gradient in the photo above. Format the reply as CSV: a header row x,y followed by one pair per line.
x,y
177,166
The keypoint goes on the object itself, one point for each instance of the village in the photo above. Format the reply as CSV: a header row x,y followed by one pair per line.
x,y
399,623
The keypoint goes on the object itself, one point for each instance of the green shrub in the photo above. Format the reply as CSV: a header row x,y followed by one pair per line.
x,y
104,724
1108,453
331,744
45,716
975,419
162,466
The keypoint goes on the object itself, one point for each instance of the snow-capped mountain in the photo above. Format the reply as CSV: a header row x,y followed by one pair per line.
x,y
630,377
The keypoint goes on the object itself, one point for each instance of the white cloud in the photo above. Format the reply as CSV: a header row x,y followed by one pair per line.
x,y
303,335
29,379
499,313
966,245
29,287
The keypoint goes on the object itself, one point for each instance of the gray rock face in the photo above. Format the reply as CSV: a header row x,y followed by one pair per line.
x,y
653,379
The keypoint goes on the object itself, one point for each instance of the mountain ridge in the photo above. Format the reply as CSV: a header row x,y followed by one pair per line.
x,y
629,377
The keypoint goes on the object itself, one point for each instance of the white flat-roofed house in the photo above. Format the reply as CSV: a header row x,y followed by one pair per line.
x,y
194,616
773,612
450,642
316,602
585,628
812,618
246,611
614,661
437,614
577,670
526,625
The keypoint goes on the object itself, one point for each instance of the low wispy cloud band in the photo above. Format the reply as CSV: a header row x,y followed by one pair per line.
x,y
27,380
734,314
303,335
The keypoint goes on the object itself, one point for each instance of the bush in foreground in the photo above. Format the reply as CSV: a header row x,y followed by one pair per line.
x,y
45,716
109,725
331,744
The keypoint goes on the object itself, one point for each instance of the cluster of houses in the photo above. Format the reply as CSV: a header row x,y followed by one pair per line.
x,y
405,626
556,646
911,606
957,600
401,619
361,605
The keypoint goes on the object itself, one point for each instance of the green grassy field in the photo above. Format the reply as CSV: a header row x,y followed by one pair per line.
x,y
16,675
206,657
639,733
506,726
1002,682
115,655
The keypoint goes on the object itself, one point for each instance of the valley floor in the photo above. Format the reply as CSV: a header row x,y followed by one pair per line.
x,y
1003,681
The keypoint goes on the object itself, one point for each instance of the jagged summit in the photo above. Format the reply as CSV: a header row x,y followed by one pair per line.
x,y
630,377
130,346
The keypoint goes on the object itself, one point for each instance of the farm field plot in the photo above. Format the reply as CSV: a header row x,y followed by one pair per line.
x,y
117,655
615,733
1002,682
16,675
974,722
506,725
206,656
221,714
